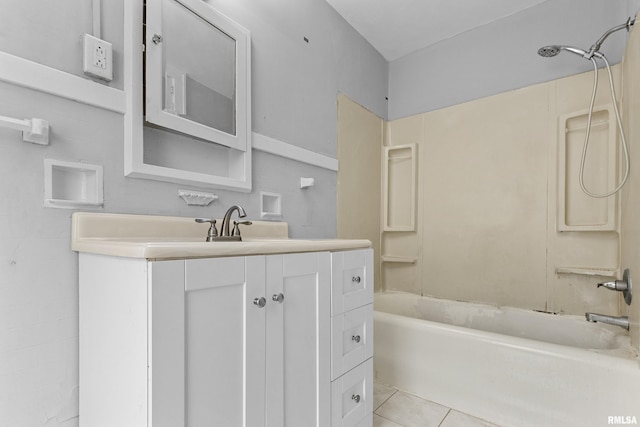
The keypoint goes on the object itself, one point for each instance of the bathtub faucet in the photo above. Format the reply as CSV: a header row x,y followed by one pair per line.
x,y
623,286
623,321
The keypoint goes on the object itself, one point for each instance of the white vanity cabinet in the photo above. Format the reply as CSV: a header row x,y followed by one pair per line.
x,y
229,341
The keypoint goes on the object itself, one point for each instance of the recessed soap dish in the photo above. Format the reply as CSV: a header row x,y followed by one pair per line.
x,y
270,205
69,185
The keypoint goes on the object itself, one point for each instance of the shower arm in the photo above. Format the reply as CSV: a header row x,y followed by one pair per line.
x,y
596,46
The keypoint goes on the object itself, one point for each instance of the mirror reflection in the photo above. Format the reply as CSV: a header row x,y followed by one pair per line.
x,y
198,69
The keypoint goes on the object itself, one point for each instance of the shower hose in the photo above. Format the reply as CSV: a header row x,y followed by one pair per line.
x,y
619,121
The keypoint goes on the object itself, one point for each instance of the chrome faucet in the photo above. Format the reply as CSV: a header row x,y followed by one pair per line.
x,y
622,321
225,230
625,286
226,233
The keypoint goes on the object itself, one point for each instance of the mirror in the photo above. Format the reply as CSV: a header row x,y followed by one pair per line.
x,y
188,112
197,72
198,69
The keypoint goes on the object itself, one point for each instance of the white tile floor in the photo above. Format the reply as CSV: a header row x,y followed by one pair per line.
x,y
395,408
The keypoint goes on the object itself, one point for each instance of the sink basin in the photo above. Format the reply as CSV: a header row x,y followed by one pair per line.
x,y
159,237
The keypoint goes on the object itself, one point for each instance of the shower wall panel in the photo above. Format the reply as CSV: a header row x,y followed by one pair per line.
x,y
360,134
487,187
630,216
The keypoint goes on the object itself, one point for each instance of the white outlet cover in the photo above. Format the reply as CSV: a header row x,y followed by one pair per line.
x,y
97,58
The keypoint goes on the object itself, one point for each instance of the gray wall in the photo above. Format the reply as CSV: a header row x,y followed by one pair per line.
x,y
295,85
50,33
295,82
502,56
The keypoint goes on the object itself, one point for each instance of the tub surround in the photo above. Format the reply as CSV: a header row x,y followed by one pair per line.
x,y
630,215
488,205
360,134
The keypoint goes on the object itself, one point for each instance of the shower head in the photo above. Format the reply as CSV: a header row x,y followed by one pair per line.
x,y
549,51
553,50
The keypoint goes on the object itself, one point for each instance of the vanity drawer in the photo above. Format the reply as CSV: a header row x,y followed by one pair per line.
x,y
351,339
351,280
352,396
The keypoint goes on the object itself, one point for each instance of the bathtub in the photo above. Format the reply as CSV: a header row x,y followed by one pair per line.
x,y
508,366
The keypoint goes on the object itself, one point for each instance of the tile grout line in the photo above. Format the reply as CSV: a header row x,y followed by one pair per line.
x,y
390,420
449,410
395,390
445,417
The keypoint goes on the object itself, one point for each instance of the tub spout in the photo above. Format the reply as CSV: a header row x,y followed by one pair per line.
x,y
623,321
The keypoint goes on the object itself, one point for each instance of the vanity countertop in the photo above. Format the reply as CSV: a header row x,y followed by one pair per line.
x,y
163,237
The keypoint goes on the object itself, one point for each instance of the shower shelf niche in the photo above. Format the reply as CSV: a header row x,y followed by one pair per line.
x,y
589,271
576,210
399,188
399,259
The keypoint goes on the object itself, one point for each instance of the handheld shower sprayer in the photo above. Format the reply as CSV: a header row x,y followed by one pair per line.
x,y
594,50
553,50
592,54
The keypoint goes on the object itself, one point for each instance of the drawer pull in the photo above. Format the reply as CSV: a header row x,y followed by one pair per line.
x,y
356,279
356,397
278,298
355,338
260,302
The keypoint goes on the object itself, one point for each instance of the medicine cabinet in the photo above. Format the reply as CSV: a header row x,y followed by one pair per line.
x,y
188,116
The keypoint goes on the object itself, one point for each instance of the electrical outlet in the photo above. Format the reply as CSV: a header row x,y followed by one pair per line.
x,y
97,58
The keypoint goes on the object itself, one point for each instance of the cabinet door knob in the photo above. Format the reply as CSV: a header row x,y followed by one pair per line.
x,y
356,279
260,302
278,298
355,338
356,397
156,39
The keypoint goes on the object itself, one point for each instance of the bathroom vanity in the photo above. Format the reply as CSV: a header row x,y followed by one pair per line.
x,y
176,331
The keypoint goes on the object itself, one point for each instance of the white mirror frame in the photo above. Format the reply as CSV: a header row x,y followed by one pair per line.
x,y
239,159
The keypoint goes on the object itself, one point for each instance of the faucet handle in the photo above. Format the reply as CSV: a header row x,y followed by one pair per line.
x,y
236,229
213,231
618,285
623,286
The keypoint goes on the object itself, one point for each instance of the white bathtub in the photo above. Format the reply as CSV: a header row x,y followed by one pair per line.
x,y
509,366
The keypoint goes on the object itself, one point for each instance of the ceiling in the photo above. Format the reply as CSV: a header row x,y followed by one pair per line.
x,y
399,27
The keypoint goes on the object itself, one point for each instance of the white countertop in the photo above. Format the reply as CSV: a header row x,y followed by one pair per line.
x,y
161,237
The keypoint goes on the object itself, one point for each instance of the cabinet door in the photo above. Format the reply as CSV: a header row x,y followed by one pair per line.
x,y
298,340
210,338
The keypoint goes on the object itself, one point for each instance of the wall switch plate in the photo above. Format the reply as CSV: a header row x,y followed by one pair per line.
x,y
175,101
97,58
